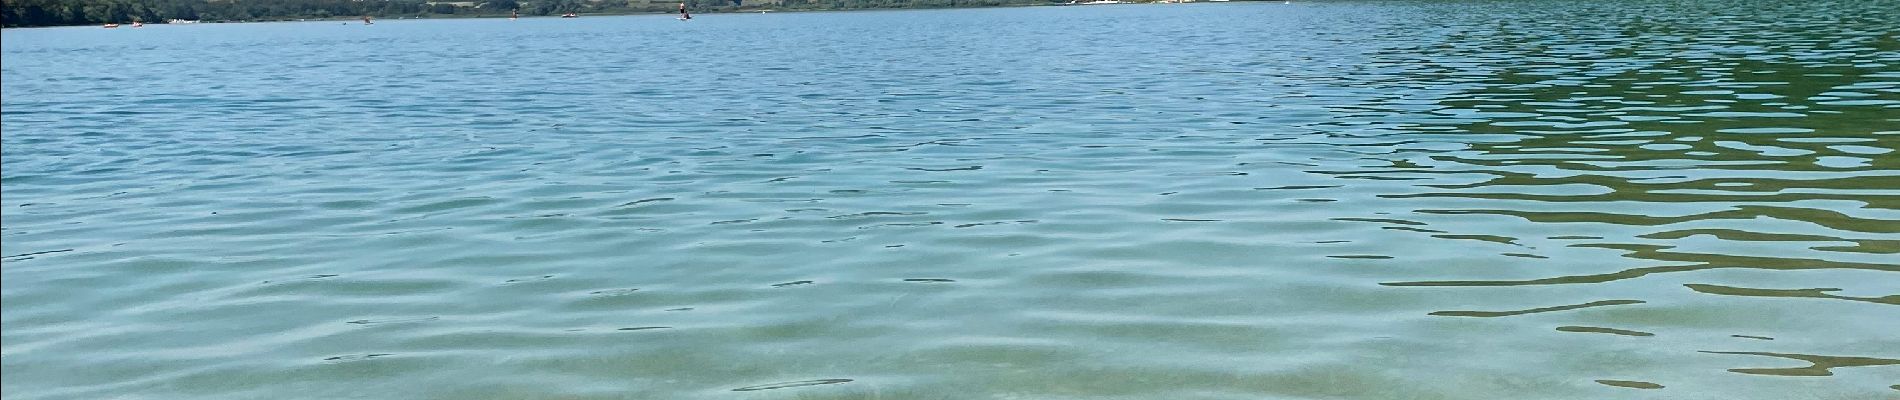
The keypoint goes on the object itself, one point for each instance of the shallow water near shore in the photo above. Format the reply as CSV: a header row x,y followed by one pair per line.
x,y
1339,200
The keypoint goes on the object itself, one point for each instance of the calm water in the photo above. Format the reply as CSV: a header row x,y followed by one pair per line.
x,y
1341,200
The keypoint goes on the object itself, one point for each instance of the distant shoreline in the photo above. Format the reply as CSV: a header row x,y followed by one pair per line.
x,y
126,25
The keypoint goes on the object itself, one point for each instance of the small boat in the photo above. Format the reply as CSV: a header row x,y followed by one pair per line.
x,y
512,15
569,15
366,21
110,26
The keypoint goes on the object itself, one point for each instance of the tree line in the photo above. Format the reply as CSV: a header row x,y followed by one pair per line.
x,y
22,13
18,13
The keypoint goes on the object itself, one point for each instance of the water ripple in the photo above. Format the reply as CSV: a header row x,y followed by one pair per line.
x,y
1213,200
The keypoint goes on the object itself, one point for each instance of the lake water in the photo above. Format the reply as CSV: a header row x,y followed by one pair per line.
x,y
1339,200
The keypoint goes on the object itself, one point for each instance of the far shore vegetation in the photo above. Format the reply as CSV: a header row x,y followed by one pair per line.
x,y
28,13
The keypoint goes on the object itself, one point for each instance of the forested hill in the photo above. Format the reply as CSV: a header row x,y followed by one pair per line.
x,y
19,13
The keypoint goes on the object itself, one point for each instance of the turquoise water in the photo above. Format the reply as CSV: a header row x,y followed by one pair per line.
x,y
1331,200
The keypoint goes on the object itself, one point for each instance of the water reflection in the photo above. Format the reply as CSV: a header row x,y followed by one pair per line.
x,y
1820,365
783,385
1630,384
1816,293
1595,329
1684,140
1603,303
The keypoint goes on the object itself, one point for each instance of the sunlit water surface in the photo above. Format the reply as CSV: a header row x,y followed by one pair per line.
x,y
1341,200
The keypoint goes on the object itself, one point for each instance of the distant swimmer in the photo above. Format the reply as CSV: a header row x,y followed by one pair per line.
x,y
683,15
